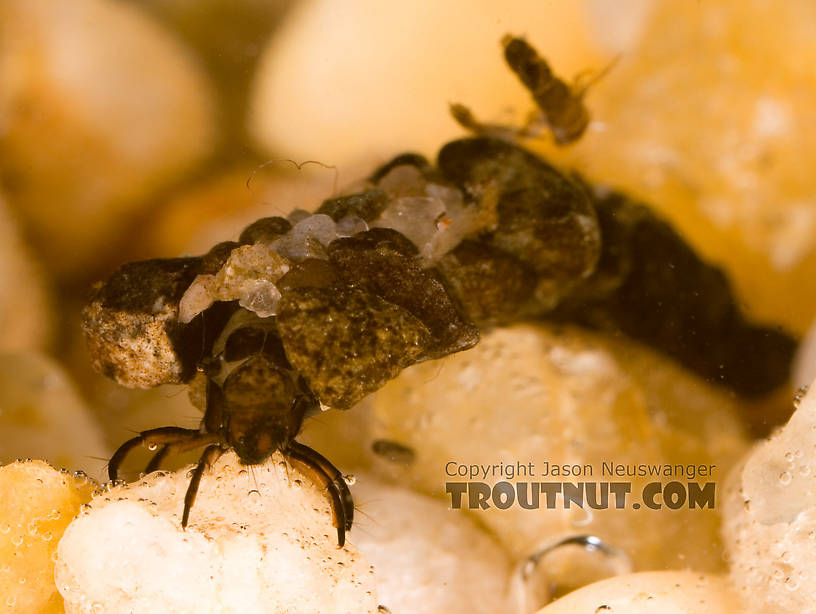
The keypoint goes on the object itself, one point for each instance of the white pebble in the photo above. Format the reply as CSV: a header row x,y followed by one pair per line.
x,y
255,544
427,558
770,519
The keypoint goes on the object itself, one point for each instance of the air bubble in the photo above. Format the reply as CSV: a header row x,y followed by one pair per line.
x,y
785,478
791,584
350,479
152,446
800,394
536,583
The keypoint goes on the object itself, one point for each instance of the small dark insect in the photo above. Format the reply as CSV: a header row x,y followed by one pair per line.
x,y
560,106
393,451
255,404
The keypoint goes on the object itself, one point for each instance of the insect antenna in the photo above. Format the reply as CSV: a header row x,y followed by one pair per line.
x,y
580,89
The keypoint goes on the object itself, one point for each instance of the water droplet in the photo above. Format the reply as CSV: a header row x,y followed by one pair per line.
x,y
537,582
350,479
11,602
601,609
791,583
55,514
804,470
789,456
22,580
797,453
17,540
786,556
297,483
152,446
4,528
785,478
242,472
47,537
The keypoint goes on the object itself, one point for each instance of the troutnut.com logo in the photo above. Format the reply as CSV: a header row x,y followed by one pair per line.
x,y
669,486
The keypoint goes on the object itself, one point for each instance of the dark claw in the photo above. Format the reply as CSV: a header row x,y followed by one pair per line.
x,y
322,471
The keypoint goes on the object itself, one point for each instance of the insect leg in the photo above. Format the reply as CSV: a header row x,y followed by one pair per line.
x,y
154,437
179,446
208,457
320,469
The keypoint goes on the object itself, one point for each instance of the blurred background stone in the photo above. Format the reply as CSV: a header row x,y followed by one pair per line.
x,y
42,416
37,502
99,109
541,394
426,558
26,318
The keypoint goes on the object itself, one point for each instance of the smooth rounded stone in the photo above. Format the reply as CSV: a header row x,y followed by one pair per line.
x,y
255,543
25,310
654,592
402,66
36,504
547,394
426,557
770,519
100,108
743,194
43,416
